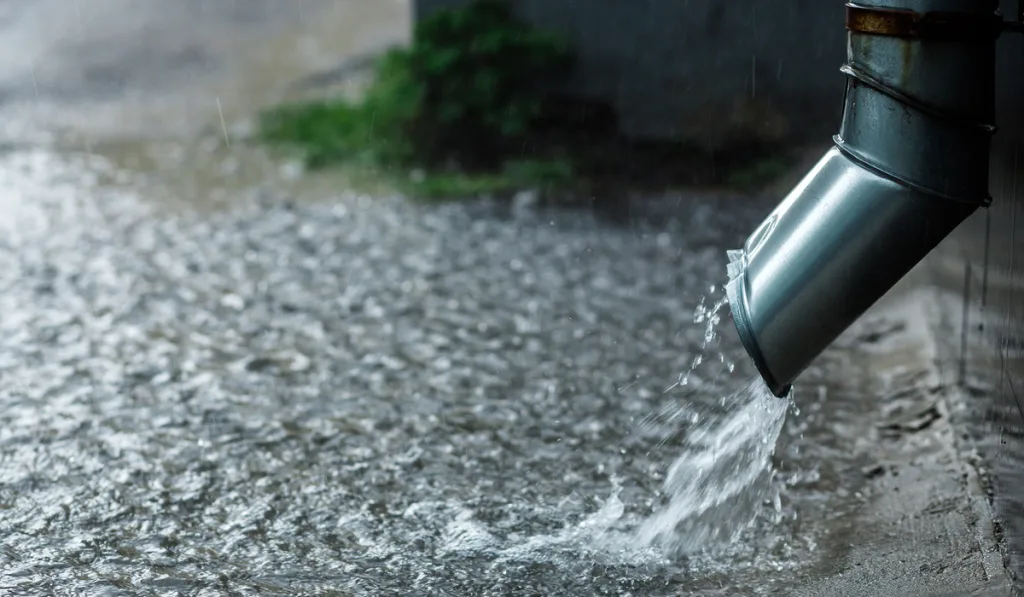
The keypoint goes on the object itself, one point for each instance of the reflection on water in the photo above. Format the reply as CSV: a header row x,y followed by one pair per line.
x,y
362,396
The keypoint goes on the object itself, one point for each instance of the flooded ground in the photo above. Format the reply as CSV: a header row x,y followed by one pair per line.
x,y
311,391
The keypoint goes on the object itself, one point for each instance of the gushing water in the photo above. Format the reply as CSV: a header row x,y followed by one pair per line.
x,y
718,485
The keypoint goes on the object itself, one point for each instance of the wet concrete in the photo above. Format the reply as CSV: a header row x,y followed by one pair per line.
x,y
312,391
371,397
981,324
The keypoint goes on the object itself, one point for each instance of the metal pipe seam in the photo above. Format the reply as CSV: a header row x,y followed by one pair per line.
x,y
904,83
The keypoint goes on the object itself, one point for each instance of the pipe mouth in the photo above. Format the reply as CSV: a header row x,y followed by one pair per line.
x,y
736,292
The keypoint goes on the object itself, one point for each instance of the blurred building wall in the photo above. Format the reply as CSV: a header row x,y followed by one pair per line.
x,y
981,269
708,71
998,302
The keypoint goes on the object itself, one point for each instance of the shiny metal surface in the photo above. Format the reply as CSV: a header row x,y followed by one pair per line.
x,y
842,238
911,162
922,111
946,160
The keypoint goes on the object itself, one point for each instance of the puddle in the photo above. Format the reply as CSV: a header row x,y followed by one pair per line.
x,y
360,395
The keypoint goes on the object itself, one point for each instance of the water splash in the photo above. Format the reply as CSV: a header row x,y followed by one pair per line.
x,y
720,482
710,316
595,534
717,487
467,535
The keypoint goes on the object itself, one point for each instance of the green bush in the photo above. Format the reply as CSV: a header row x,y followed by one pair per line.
x,y
543,175
484,73
468,91
374,131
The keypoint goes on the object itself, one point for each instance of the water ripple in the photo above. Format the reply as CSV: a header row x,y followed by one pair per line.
x,y
360,397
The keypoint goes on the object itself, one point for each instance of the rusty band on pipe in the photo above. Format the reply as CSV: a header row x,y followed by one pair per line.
x,y
950,26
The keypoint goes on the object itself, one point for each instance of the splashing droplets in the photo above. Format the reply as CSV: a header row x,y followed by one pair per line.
x,y
723,479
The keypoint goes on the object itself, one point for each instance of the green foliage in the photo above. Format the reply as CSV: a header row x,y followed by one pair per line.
x,y
468,90
484,70
373,131
543,175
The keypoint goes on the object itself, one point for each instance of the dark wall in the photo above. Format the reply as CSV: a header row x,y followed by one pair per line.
x,y
991,361
705,70
1001,298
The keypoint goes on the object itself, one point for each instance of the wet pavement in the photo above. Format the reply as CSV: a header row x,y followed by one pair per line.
x,y
371,397
311,391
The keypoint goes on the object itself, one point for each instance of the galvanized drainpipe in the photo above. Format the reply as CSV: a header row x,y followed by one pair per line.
x,y
910,163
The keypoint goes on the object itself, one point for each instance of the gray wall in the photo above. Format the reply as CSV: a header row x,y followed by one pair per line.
x,y
993,243
710,71
990,365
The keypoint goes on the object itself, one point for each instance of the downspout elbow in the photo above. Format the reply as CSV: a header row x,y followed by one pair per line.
x,y
909,164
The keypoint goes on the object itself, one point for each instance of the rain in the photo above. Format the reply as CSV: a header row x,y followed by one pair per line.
x,y
226,372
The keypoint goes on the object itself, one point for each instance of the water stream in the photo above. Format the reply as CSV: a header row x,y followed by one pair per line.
x,y
720,481
723,478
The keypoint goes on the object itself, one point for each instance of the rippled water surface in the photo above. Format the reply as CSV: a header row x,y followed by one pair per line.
x,y
366,397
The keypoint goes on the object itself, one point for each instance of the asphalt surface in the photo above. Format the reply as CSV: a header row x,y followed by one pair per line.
x,y
316,392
